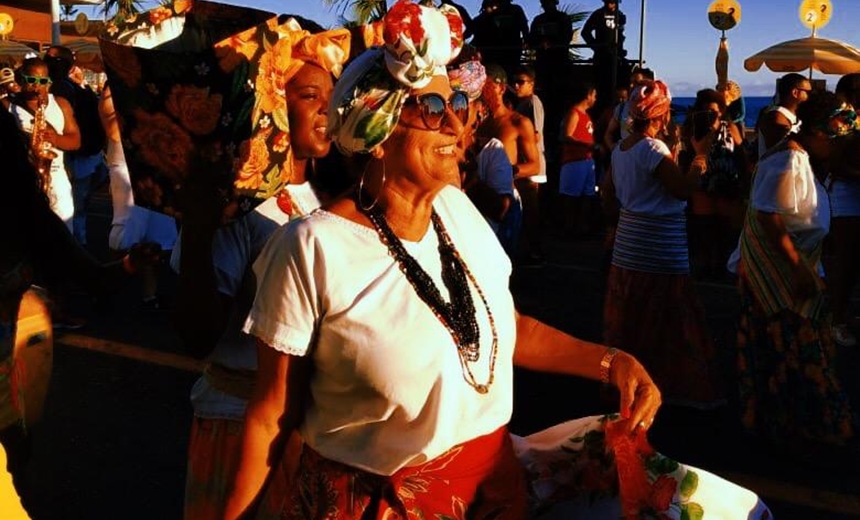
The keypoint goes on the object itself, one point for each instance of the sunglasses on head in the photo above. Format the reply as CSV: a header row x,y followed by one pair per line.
x,y
36,80
433,107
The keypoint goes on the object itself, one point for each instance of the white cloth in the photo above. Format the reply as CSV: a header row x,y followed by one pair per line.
x,y
234,249
636,187
388,390
784,183
559,459
60,192
133,224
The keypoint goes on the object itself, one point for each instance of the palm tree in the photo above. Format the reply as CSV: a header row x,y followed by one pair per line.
x,y
362,11
120,9
67,11
577,16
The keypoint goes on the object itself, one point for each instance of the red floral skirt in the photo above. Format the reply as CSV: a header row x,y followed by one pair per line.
x,y
479,480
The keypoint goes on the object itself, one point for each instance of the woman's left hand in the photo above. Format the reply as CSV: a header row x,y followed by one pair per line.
x,y
640,397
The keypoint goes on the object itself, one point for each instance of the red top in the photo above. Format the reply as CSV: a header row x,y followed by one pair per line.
x,y
584,135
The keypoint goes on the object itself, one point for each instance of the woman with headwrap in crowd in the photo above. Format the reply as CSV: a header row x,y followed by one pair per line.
x,y
789,390
651,308
217,284
402,395
842,251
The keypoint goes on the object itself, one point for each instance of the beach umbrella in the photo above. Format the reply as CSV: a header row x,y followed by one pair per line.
x,y
14,52
87,54
822,54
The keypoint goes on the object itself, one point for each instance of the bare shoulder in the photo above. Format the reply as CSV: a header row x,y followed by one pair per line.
x,y
522,123
63,103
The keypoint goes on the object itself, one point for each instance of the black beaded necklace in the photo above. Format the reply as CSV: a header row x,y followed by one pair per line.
x,y
458,315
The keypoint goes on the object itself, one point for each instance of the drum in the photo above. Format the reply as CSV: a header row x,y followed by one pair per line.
x,y
32,357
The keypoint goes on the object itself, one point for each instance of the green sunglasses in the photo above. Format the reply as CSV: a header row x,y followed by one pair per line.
x,y
36,80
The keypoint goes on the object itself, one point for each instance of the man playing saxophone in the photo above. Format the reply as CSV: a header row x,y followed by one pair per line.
x,y
56,131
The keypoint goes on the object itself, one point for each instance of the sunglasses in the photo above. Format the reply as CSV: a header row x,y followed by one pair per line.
x,y
434,107
522,81
36,80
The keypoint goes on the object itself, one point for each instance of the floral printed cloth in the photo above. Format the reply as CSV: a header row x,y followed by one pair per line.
x,y
200,86
590,468
419,42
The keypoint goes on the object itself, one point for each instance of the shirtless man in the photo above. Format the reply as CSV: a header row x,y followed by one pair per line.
x,y
517,134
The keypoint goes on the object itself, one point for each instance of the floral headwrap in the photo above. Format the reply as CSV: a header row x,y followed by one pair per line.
x,y
842,121
219,108
468,77
650,100
270,137
366,103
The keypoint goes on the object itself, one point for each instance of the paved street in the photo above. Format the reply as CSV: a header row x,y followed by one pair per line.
x,y
112,444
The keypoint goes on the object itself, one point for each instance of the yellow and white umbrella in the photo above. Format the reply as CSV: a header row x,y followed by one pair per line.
x,y
822,54
88,55
14,52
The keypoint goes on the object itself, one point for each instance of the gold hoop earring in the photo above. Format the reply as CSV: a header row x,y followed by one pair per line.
x,y
361,188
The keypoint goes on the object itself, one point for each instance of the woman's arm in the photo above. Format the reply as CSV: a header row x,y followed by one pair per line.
x,y
274,412
543,348
682,184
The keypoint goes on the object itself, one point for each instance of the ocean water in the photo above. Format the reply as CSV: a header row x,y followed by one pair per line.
x,y
753,107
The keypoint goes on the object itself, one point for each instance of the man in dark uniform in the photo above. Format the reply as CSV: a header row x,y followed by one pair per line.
x,y
604,33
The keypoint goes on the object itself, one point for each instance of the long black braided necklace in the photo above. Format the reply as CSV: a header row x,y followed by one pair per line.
x,y
458,315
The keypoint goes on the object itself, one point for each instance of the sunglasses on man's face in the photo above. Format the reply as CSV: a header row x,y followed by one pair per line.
x,y
434,107
36,80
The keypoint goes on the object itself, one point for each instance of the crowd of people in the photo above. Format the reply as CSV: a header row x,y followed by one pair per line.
x,y
360,336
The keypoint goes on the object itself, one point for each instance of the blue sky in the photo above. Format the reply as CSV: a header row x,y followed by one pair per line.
x,y
680,44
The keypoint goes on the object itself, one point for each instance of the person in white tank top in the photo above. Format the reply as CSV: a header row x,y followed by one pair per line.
x,y
62,131
779,120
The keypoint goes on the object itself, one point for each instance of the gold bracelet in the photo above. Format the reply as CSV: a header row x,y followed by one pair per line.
x,y
606,363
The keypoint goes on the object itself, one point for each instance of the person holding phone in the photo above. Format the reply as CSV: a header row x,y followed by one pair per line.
x,y
716,206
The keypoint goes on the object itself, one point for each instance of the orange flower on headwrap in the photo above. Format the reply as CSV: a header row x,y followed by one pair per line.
x,y
196,108
237,48
253,161
162,144
295,48
650,100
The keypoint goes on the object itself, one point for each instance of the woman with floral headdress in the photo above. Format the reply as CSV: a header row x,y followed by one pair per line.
x,y
386,328
789,391
216,285
651,308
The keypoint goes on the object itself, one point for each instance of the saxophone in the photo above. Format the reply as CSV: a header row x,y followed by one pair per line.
x,y
43,153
